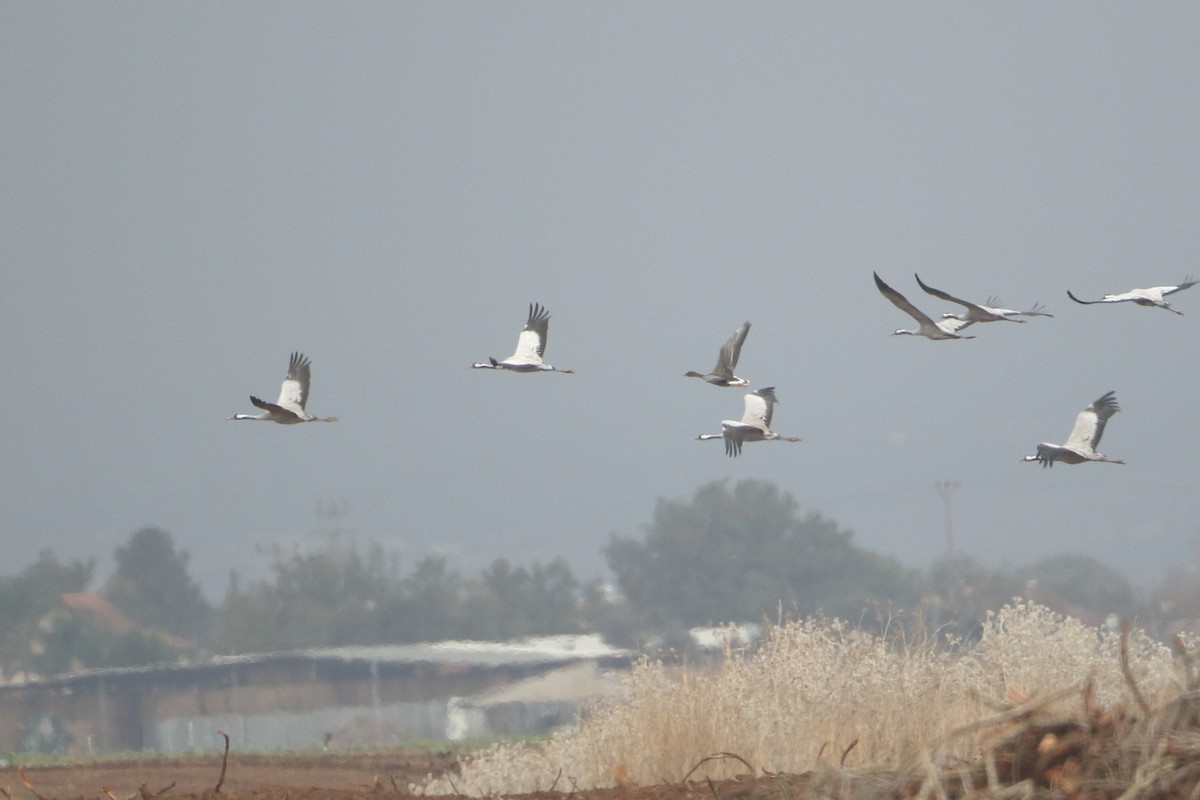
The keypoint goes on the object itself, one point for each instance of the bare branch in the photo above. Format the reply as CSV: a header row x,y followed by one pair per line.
x,y
224,763
717,757
28,785
1127,671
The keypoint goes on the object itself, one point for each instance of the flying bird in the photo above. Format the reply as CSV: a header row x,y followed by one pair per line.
x,y
754,426
978,312
722,373
1143,297
927,327
293,394
1085,437
531,345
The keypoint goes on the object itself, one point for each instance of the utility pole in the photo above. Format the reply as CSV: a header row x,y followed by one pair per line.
x,y
333,513
946,490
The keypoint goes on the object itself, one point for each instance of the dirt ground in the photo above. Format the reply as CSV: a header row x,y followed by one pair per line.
x,y
335,776
248,776
1087,759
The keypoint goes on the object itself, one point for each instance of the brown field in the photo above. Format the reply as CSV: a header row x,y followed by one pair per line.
x,y
299,777
248,776
338,776
1041,707
1071,759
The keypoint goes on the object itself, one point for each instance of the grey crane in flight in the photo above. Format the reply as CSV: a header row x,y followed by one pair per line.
x,y
1085,436
926,326
980,312
293,395
1154,296
754,426
531,346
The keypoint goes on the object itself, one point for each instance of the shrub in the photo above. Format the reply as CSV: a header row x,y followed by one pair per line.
x,y
819,690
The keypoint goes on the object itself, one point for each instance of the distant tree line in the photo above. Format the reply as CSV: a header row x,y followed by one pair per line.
x,y
730,553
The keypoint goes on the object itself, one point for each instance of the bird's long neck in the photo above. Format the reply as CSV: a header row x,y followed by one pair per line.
x,y
485,365
251,416
707,436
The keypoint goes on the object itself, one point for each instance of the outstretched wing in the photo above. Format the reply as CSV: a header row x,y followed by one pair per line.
x,y
945,296
1089,425
733,442
1047,454
532,341
1110,298
280,413
293,393
952,324
901,302
1188,283
760,406
731,352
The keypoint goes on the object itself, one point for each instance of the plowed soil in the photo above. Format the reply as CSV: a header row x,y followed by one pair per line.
x,y
1092,759
247,776
332,776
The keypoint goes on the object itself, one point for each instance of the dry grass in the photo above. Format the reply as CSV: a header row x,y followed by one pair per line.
x,y
819,695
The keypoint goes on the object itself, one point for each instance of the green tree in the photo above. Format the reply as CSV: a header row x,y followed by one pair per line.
x,y
331,597
960,594
1078,585
27,598
152,586
506,602
732,554
336,597
430,605
75,642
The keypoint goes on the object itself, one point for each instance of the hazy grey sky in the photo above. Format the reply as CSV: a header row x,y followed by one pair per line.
x,y
192,191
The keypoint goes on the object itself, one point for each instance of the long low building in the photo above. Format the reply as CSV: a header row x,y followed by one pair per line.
x,y
348,696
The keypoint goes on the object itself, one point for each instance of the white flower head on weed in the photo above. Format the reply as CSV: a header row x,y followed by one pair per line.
x,y
812,688
1028,652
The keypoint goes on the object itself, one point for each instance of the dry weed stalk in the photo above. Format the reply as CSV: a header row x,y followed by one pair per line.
x,y
846,752
1128,672
716,757
224,762
25,782
814,683
147,795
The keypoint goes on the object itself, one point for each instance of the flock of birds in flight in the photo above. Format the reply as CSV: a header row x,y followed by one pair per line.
x,y
755,424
